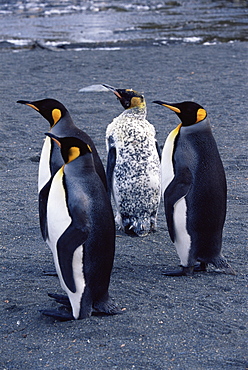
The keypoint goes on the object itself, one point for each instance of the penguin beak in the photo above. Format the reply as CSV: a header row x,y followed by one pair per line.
x,y
55,138
175,109
23,102
28,103
114,90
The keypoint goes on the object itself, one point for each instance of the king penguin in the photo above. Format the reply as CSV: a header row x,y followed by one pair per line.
x,y
62,125
81,232
194,190
133,165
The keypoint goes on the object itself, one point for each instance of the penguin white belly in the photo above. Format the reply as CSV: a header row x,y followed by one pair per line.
x,y
182,238
44,166
167,171
58,220
77,267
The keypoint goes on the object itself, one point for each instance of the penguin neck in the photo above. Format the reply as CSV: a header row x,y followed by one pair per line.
x,y
65,122
80,164
204,125
139,112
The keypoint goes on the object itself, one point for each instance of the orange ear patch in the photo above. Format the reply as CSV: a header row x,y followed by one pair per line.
x,y
201,115
73,153
137,102
56,114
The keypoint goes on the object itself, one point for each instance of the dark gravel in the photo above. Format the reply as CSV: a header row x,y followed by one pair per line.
x,y
167,323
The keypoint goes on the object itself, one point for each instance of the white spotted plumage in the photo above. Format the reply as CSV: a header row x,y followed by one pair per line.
x,y
136,177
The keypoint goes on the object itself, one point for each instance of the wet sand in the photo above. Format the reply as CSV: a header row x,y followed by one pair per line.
x,y
167,323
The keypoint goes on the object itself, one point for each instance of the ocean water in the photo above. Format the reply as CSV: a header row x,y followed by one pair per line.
x,y
118,24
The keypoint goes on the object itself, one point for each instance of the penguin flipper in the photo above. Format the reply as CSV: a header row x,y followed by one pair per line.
x,y
177,189
43,197
158,149
110,164
69,241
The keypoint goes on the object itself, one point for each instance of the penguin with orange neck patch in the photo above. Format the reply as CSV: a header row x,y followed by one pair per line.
x,y
80,233
194,190
62,125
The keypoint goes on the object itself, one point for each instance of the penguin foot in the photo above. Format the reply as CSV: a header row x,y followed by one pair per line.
x,y
141,233
153,231
230,271
226,270
105,308
202,266
136,228
188,271
61,315
173,273
129,231
221,263
61,299
185,271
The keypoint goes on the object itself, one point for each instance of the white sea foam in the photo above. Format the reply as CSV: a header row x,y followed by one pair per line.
x,y
55,43
98,48
210,43
194,39
19,42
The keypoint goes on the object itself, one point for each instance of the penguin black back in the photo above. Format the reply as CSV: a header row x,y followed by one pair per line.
x,y
81,232
194,189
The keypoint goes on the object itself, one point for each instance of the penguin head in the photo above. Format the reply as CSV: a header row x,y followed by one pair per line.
x,y
188,112
51,109
71,147
128,97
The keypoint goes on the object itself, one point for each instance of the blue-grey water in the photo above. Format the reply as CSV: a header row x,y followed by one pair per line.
x,y
117,24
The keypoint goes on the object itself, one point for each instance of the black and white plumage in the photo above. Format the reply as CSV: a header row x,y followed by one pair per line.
x,y
62,125
80,233
133,166
194,190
